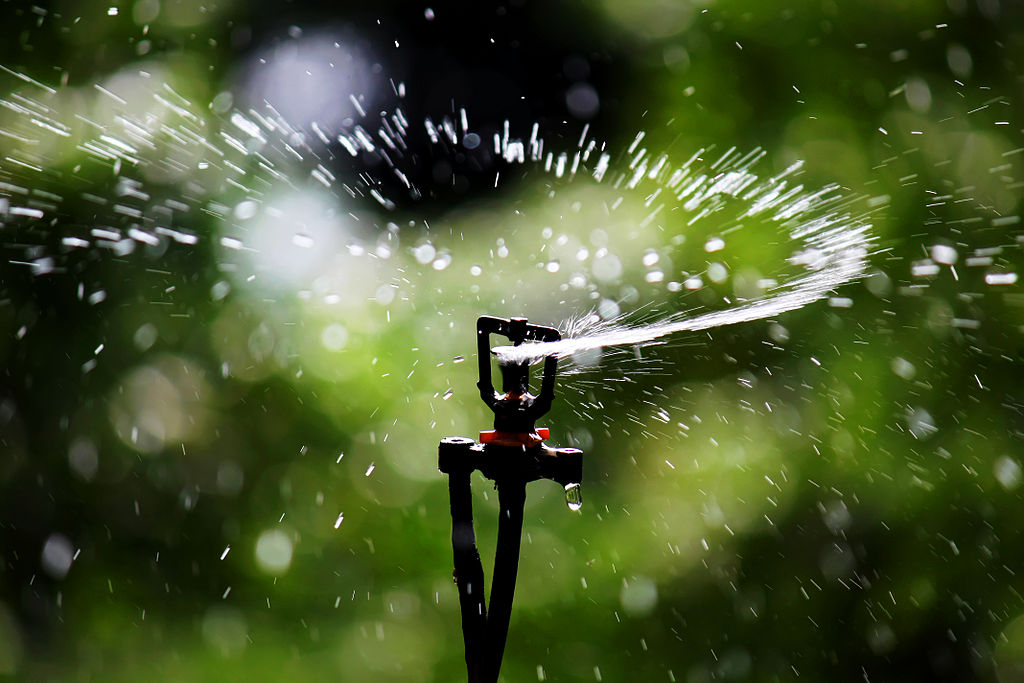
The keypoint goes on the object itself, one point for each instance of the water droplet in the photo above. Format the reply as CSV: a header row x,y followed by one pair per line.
x,y
442,262
573,496
334,337
448,394
607,267
1000,278
246,209
553,266
274,551
425,253
608,309
303,240
58,555
924,269
220,290
1007,472
714,244
944,254
385,294
903,368
341,518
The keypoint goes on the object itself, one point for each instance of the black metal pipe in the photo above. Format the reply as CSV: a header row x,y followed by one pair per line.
x,y
511,501
469,576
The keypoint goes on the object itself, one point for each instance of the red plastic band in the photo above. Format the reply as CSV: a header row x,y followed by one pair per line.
x,y
491,435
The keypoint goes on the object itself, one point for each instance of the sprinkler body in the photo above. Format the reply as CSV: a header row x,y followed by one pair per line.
x,y
511,455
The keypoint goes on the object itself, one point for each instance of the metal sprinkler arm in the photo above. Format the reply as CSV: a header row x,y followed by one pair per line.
x,y
512,455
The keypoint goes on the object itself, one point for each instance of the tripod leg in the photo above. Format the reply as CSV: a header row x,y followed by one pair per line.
x,y
511,499
469,574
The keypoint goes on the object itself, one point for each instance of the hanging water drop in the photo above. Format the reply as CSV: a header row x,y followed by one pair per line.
x,y
573,496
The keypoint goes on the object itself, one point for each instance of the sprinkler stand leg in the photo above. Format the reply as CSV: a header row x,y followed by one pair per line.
x,y
511,500
469,574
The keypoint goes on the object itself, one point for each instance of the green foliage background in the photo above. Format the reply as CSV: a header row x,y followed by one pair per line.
x,y
833,495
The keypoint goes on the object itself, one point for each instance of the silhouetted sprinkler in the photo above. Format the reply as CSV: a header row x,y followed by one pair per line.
x,y
511,455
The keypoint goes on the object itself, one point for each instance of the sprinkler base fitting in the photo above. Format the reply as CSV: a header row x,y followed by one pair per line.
x,y
498,462
511,455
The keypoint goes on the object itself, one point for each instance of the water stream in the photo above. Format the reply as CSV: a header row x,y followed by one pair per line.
x,y
834,251
247,154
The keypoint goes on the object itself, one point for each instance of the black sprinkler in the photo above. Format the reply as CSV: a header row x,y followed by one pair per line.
x,y
511,455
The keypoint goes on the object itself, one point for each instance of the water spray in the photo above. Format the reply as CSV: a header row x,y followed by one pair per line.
x,y
511,455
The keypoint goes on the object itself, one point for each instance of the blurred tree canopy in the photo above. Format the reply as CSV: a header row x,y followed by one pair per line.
x,y
227,364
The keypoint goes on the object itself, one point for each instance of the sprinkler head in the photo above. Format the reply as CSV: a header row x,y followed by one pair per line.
x,y
515,408
515,448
